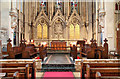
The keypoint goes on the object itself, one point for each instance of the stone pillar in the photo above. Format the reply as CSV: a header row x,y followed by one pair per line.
x,y
26,21
90,21
0,46
101,22
109,29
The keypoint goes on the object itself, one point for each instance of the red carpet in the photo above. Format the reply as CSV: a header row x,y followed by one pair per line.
x,y
58,75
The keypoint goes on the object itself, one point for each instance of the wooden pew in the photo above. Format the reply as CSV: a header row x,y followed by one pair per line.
x,y
14,52
73,52
95,63
26,61
97,52
30,68
98,76
42,52
29,51
90,72
14,76
23,71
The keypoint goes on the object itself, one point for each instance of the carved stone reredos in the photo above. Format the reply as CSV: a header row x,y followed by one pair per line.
x,y
57,17
75,18
42,18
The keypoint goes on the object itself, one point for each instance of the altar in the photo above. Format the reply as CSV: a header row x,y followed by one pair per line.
x,y
58,45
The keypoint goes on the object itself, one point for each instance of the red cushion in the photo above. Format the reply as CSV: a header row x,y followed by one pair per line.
x,y
78,57
38,58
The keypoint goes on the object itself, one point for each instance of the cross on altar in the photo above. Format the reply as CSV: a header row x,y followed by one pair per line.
x,y
105,40
9,40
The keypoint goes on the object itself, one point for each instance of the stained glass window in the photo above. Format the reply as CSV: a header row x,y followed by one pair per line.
x,y
74,32
59,4
45,30
71,33
42,32
74,4
44,4
39,31
77,32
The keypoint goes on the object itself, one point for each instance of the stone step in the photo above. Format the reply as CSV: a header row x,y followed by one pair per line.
x,y
58,67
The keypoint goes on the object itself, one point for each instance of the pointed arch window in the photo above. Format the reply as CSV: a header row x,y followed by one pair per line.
x,y
42,31
77,31
71,33
74,4
39,31
74,31
59,4
44,4
117,6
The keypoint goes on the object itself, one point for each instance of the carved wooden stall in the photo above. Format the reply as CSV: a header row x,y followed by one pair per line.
x,y
73,52
93,51
22,51
42,52
29,51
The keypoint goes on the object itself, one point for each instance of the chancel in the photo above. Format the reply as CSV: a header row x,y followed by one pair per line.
x,y
60,39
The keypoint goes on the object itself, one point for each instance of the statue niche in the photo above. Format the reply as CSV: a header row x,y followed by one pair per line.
x,y
58,30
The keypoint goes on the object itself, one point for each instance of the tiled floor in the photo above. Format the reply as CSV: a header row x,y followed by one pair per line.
x,y
58,59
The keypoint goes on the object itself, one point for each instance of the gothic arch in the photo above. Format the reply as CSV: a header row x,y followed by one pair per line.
x,y
42,19
75,19
75,16
58,26
41,16
58,15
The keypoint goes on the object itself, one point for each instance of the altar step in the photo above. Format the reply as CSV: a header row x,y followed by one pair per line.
x,y
58,67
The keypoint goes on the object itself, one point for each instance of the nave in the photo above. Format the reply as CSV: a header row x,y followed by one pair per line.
x,y
79,61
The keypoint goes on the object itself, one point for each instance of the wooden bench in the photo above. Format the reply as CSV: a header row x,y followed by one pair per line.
x,y
14,76
95,63
23,71
99,76
29,52
90,72
28,61
93,51
15,52
42,52
23,68
73,52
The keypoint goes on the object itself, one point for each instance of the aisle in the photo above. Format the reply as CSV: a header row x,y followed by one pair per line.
x,y
58,75
58,59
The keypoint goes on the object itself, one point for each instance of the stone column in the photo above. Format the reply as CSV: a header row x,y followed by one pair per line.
x,y
109,28
0,46
26,21
98,42
90,21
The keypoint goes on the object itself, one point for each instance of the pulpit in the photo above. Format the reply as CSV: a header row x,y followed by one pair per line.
x,y
58,45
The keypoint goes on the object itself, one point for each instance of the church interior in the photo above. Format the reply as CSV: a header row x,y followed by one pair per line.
x,y
56,39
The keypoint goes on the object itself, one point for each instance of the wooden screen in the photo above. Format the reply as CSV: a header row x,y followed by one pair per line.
x,y
58,45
